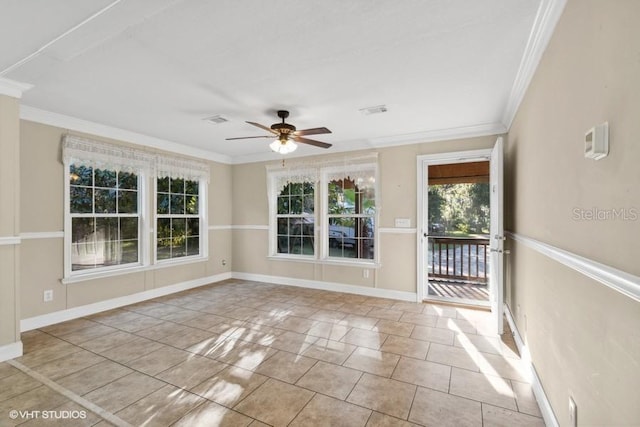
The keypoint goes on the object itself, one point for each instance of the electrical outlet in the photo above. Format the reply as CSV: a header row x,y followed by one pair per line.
x,y
224,262
573,413
365,273
48,295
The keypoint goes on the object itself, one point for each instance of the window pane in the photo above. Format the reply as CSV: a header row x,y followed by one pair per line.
x,y
297,188
192,205
308,205
193,227
178,227
164,228
105,201
127,201
283,244
295,245
178,247
81,199
129,251
83,256
82,230
163,249
193,246
163,203
308,228
283,226
128,228
307,248
80,175
296,204
163,185
177,204
177,185
105,178
107,229
191,187
127,181
283,205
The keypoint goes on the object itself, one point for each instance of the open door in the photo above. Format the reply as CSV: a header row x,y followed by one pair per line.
x,y
496,231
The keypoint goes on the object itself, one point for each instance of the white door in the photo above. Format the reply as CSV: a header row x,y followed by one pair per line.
x,y
496,238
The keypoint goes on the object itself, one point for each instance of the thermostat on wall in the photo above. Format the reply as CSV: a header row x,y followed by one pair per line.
x,y
596,142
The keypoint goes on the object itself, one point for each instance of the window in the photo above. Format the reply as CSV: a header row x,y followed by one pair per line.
x,y
178,218
346,209
295,219
105,220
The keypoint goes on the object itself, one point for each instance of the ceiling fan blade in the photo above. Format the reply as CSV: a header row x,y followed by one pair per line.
x,y
263,127
248,137
314,131
311,142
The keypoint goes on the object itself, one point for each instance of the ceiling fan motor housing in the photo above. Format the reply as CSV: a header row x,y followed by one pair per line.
x,y
283,128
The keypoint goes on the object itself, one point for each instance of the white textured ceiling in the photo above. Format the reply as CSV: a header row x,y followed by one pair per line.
x,y
158,67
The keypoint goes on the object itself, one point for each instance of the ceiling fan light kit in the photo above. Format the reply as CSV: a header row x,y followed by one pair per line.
x,y
286,134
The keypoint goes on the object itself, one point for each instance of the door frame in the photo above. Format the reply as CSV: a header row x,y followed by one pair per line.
x,y
423,163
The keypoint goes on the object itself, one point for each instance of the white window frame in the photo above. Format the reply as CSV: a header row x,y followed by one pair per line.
x,y
203,254
142,215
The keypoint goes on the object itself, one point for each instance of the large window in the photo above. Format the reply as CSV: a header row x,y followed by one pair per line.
x,y
105,220
345,209
295,219
178,218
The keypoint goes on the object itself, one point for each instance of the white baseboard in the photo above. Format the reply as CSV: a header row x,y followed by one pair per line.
x,y
541,397
329,286
10,351
86,310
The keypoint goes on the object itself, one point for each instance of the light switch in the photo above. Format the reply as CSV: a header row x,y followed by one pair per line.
x,y
403,222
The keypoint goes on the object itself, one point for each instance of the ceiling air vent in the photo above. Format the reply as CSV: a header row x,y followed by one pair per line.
x,y
216,120
374,110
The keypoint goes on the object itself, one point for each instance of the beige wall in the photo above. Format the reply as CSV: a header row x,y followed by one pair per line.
x,y
398,199
9,220
42,210
583,337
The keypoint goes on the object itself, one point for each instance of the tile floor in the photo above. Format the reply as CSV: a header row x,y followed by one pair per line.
x,y
244,353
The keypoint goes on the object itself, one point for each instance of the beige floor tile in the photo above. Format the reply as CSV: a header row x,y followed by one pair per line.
x,y
328,330
379,302
323,411
453,356
141,322
383,395
69,364
362,338
132,350
159,360
86,334
440,310
105,342
287,367
385,313
243,354
48,352
493,416
80,417
211,414
68,326
422,373
406,347
160,408
525,399
409,307
295,324
301,311
392,327
227,327
162,330
485,388
275,402
419,319
326,315
7,370
433,408
203,321
332,380
372,361
39,399
229,386
293,342
506,367
93,377
328,305
434,335
181,316
360,322
188,337
124,391
258,334
355,308
456,325
191,372
382,420
479,342
330,351
16,384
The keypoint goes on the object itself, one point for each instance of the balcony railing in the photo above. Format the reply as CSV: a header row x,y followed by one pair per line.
x,y
459,259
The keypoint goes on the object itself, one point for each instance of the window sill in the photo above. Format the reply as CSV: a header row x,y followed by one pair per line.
x,y
129,270
326,261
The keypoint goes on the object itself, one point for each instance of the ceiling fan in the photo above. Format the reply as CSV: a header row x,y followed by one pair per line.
x,y
286,134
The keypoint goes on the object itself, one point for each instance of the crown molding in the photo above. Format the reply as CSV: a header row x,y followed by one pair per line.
x,y
448,134
544,24
13,88
79,125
